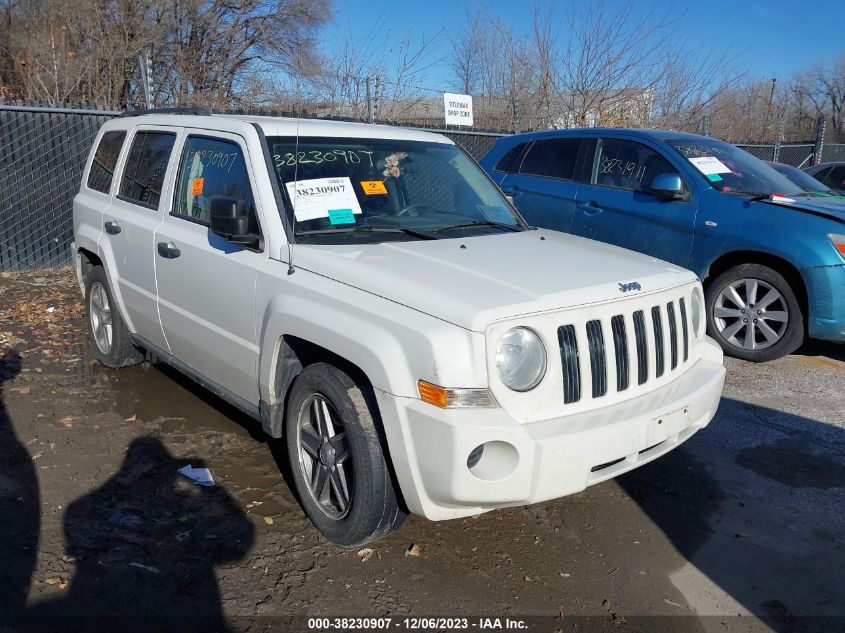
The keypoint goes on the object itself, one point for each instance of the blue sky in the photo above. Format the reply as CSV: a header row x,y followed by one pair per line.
x,y
768,39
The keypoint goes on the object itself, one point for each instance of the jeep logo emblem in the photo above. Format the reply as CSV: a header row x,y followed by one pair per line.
x,y
634,285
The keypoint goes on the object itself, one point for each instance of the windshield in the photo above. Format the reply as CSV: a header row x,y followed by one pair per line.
x,y
351,190
732,170
802,178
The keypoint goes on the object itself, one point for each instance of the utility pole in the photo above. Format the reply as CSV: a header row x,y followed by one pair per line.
x,y
375,101
145,64
370,114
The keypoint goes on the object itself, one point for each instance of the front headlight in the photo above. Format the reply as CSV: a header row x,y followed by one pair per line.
x,y
697,312
521,359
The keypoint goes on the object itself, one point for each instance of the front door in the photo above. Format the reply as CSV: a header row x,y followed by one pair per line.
x,y
206,286
614,206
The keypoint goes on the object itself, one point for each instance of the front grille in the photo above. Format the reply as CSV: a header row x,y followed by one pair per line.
x,y
571,366
598,364
642,348
684,328
661,346
673,335
620,346
657,324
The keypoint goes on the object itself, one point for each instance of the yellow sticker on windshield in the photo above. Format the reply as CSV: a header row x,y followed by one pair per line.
x,y
373,188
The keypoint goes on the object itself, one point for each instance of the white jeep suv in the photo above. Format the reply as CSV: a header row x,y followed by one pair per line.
x,y
371,297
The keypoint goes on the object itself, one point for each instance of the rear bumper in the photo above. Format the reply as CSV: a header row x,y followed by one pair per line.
x,y
544,460
826,292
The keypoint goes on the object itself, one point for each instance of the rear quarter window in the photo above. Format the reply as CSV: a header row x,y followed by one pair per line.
x,y
509,160
101,174
146,167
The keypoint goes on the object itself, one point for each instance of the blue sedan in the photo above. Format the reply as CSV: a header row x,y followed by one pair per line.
x,y
771,255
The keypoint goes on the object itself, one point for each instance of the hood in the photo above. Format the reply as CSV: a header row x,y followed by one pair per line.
x,y
474,281
826,206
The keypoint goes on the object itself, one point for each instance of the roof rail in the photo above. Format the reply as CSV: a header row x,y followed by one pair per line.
x,y
189,110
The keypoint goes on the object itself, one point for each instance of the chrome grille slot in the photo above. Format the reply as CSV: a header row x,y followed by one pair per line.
x,y
620,346
657,324
571,364
642,349
598,361
673,335
684,331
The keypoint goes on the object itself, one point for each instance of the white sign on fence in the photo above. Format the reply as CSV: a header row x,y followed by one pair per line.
x,y
458,109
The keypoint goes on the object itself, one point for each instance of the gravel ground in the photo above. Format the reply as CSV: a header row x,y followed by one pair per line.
x,y
739,529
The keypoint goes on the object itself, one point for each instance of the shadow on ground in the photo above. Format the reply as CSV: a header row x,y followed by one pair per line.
x,y
758,511
145,544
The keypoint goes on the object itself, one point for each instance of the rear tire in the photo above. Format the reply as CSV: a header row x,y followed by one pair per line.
x,y
339,468
110,342
753,313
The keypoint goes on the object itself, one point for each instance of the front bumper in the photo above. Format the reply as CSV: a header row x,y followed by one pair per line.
x,y
826,293
538,461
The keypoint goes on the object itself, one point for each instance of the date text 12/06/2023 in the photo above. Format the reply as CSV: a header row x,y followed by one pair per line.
x,y
418,624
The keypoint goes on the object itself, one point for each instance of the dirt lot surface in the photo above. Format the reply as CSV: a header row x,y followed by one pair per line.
x,y
745,521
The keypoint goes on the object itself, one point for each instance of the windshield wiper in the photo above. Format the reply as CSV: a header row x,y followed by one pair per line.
x,y
463,225
368,228
753,196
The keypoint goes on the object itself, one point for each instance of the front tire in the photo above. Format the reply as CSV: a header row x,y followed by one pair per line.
x,y
754,314
339,467
110,342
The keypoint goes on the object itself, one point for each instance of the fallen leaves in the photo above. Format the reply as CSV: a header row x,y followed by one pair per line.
x,y
366,554
413,550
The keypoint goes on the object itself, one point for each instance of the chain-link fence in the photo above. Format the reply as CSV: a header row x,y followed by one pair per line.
x,y
43,152
42,155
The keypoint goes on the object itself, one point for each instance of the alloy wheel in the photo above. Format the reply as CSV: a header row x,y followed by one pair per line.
x,y
101,317
751,314
324,456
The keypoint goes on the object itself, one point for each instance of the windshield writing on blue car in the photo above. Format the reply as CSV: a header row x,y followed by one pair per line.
x,y
732,170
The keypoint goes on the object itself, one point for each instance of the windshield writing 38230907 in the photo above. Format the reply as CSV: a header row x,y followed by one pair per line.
x,y
318,157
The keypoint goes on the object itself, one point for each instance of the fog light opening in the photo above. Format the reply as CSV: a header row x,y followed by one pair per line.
x,y
475,456
493,461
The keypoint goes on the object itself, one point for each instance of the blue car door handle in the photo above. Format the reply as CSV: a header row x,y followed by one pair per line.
x,y
513,191
590,208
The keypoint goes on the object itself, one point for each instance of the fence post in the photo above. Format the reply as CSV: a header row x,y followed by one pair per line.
x,y
778,141
818,146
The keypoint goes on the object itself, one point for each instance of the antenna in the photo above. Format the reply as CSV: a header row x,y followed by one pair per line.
x,y
291,269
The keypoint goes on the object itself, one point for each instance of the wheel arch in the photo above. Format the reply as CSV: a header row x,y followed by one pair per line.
x,y
291,356
84,261
783,266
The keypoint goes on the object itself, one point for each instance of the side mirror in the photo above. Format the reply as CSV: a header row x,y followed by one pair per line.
x,y
667,187
230,220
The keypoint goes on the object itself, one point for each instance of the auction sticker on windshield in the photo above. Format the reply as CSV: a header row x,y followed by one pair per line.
x,y
314,199
709,165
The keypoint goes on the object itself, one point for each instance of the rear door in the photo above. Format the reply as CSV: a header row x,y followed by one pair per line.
x,y
206,286
614,205
543,185
129,228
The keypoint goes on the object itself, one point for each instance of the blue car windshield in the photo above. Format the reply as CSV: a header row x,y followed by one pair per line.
x,y
359,190
732,170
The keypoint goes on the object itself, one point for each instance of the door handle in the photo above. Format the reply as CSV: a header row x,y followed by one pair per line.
x,y
513,191
112,228
590,208
168,250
